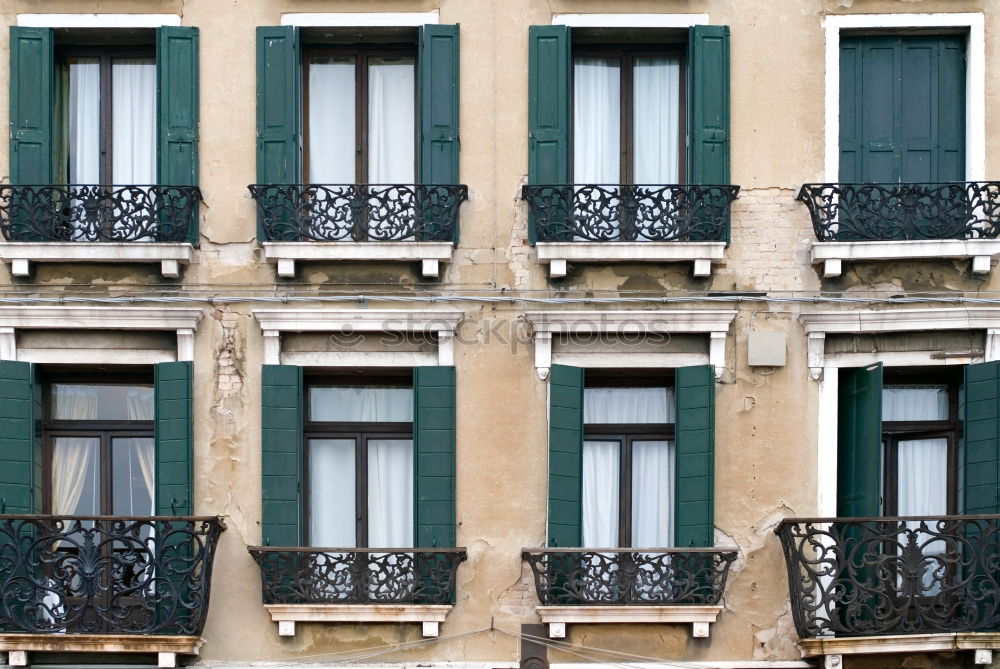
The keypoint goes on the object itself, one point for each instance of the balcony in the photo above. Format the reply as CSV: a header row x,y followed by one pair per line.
x,y
903,221
105,584
655,585
358,585
358,222
81,223
884,585
624,223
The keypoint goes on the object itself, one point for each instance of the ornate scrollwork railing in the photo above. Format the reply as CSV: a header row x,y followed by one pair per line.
x,y
625,213
59,213
358,212
652,576
108,575
874,212
886,576
358,576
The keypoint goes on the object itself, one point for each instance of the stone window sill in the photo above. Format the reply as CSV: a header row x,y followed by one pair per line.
x,y
429,615
833,254
700,617
702,254
430,254
17,646
170,255
982,643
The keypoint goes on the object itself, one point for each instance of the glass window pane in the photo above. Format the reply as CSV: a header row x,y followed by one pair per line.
x,y
361,404
652,494
101,402
332,143
84,121
596,120
915,402
656,119
390,493
132,476
600,493
628,405
331,493
391,120
923,477
133,114
76,476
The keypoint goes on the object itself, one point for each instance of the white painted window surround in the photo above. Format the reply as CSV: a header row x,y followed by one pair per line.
x,y
975,83
97,20
359,20
824,368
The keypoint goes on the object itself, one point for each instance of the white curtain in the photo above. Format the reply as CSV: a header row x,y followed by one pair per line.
x,y
628,405
656,120
390,493
596,120
361,404
76,478
600,493
332,493
652,494
923,483
914,403
84,122
391,120
331,121
133,132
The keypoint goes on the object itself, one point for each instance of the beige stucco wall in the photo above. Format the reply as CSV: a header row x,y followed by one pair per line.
x,y
766,434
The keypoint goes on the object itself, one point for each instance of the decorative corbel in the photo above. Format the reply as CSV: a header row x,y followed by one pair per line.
x,y
272,347
717,352
816,352
543,354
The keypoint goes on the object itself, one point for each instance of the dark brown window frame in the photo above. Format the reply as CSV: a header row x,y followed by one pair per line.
x,y
627,54
628,433
361,433
105,430
895,431
362,54
105,56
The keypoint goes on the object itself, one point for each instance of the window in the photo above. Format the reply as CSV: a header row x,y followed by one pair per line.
x,y
628,454
109,117
920,443
627,114
359,455
99,446
361,120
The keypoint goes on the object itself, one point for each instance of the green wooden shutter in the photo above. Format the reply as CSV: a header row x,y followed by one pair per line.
x,y
548,107
708,105
981,458
177,110
174,439
434,457
281,457
565,456
439,81
694,469
279,105
859,442
902,109
31,89
20,441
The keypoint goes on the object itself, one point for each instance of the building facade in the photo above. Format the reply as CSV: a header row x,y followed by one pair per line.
x,y
496,333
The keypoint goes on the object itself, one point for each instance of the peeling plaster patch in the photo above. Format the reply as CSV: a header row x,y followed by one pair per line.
x,y
776,641
518,599
518,249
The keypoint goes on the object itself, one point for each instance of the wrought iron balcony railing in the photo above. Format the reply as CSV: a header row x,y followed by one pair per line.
x,y
358,212
358,576
625,213
905,211
635,577
107,575
75,213
890,576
